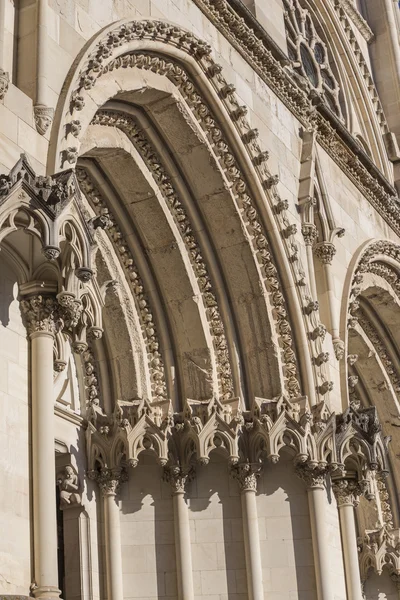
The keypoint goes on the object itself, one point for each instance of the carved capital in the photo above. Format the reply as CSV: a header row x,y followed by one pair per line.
x,y
109,480
313,474
310,233
40,314
246,474
325,251
348,491
178,477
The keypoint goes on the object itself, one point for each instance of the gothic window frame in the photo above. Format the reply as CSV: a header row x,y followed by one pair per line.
x,y
310,55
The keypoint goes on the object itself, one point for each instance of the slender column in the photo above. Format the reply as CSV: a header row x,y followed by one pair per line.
x,y
109,481
178,479
309,232
247,475
317,501
40,314
325,251
347,494
43,113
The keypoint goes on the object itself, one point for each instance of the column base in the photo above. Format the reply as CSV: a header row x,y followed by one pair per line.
x,y
46,593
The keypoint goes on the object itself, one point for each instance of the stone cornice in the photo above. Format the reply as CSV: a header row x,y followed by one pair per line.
x,y
331,133
357,19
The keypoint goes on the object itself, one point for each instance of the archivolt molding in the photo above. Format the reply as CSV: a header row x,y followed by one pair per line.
x,y
101,61
381,257
149,328
165,184
98,65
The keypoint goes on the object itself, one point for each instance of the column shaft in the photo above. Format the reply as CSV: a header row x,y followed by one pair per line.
x,y
317,506
113,548
350,551
183,547
44,485
252,545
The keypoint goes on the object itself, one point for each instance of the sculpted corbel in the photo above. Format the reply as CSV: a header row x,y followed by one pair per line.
x,y
68,484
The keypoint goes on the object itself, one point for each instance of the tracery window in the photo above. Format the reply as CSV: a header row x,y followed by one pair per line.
x,y
309,54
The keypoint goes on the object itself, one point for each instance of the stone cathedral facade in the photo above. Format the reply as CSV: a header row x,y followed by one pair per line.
x,y
199,299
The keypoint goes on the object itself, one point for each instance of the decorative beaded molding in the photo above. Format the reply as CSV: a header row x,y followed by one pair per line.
x,y
137,136
149,330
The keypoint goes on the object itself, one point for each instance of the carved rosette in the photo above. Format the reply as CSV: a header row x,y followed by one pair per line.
x,y
178,477
109,480
43,117
246,474
313,475
325,251
40,314
348,491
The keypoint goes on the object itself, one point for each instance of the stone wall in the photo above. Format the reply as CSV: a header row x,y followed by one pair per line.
x,y
15,512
